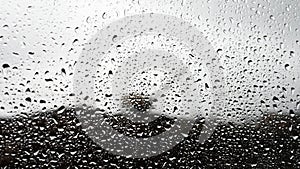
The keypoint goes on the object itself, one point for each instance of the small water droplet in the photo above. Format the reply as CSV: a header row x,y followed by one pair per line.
x,y
5,65
114,38
287,67
104,15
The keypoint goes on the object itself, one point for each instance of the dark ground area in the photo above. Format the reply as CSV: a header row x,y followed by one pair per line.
x,y
56,140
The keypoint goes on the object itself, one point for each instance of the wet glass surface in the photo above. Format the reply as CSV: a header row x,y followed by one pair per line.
x,y
150,84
